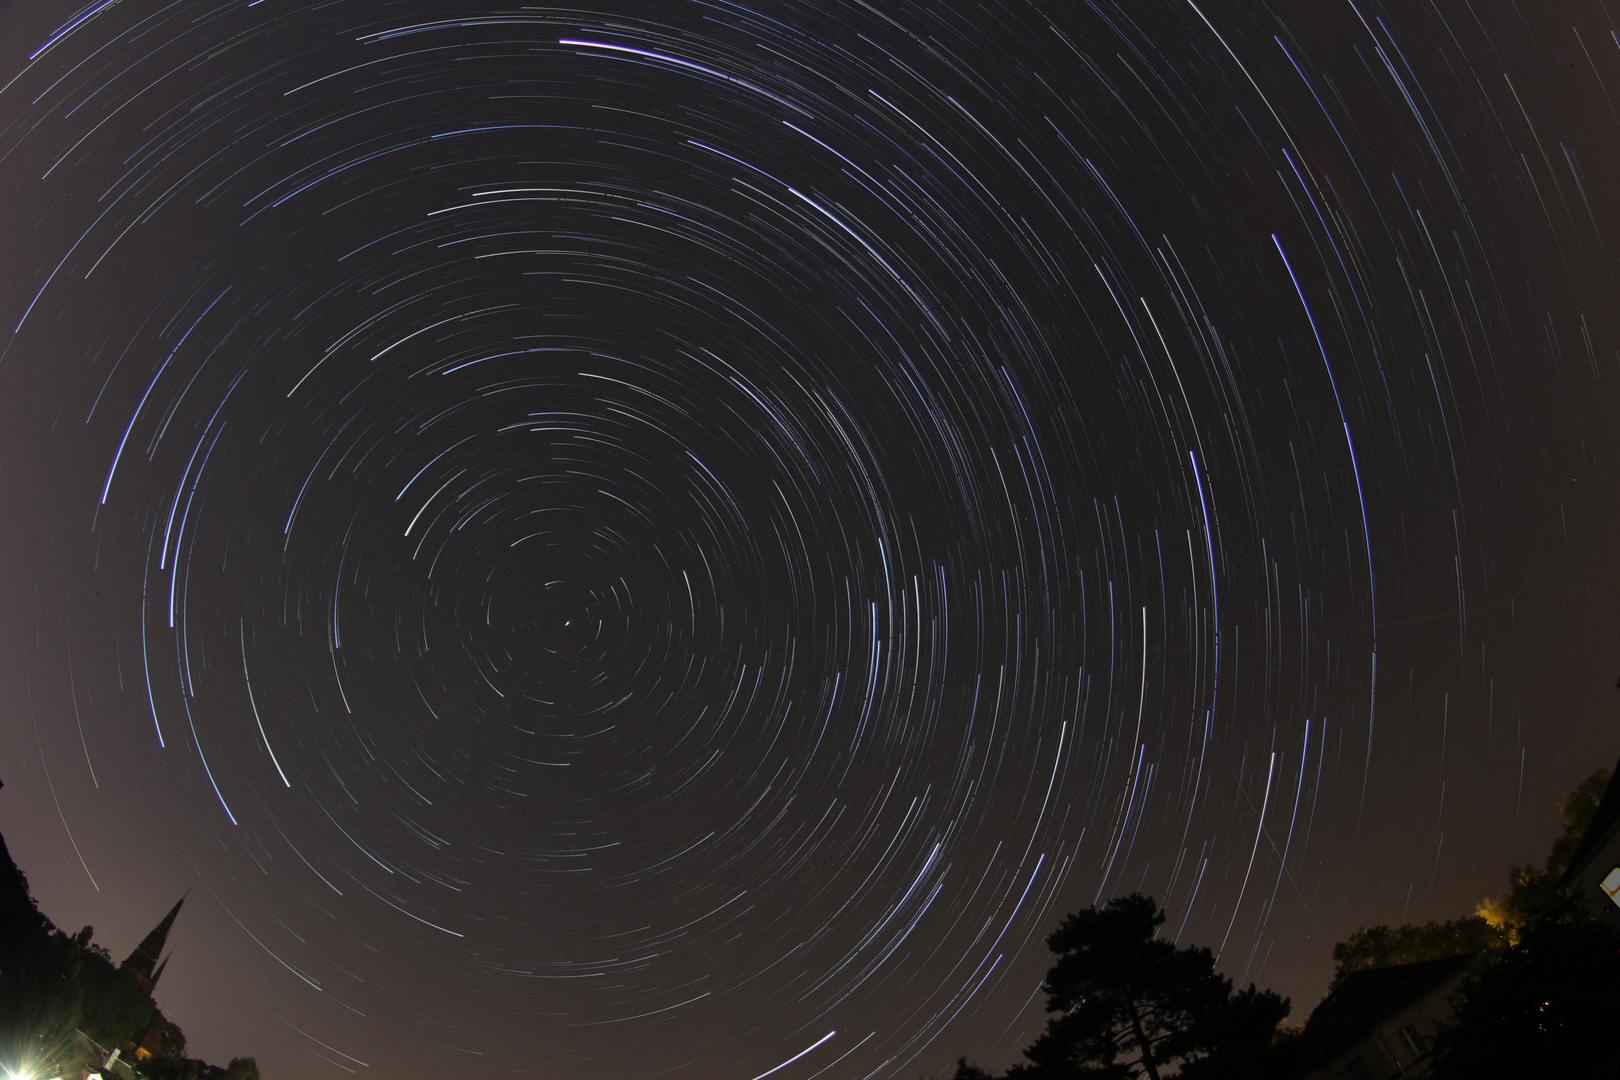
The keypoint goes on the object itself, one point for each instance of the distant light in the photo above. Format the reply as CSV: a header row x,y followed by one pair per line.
x,y
1611,885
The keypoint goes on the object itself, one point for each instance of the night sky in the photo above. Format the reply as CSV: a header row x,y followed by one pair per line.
x,y
668,539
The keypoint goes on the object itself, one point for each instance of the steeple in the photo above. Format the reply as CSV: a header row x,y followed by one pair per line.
x,y
144,959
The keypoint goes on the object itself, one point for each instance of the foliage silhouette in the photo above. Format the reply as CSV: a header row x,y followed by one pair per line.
x,y
1533,898
1130,1005
1551,991
1547,983
1386,946
1545,1004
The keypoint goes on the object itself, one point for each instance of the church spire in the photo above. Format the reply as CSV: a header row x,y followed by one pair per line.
x,y
144,959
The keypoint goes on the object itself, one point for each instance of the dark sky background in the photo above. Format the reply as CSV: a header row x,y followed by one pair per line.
x,y
644,540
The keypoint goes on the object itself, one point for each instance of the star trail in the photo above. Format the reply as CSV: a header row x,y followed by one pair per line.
x,y
680,539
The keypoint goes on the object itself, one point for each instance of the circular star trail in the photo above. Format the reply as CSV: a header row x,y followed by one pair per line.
x,y
679,539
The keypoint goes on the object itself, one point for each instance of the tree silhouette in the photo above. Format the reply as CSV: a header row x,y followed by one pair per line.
x,y
1550,993
1386,946
1533,898
1546,1004
1129,1005
1547,983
